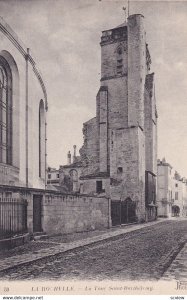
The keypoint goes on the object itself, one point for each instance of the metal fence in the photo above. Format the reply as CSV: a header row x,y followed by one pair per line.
x,y
13,217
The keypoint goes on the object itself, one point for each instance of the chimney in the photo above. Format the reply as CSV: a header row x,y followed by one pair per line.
x,y
74,153
69,158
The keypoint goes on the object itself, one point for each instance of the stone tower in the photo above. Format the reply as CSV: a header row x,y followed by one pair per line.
x,y
119,151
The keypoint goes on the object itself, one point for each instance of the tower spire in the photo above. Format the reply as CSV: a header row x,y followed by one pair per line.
x,y
125,11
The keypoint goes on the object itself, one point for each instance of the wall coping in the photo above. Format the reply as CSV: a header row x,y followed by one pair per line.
x,y
45,191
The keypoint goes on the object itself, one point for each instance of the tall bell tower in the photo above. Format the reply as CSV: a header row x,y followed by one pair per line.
x,y
123,151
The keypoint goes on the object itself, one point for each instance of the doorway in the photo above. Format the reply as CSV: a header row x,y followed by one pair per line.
x,y
37,213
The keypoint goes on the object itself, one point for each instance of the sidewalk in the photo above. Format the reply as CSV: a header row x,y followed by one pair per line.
x,y
178,268
52,247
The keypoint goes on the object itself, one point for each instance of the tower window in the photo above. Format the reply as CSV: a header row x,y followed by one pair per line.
x,y
119,62
120,170
99,186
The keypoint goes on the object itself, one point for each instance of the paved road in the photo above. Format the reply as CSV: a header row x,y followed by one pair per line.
x,y
141,255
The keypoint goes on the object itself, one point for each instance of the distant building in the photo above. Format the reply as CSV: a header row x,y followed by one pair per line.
x,y
53,176
71,172
171,191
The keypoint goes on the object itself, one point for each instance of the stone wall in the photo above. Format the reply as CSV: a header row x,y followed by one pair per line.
x,y
90,149
136,70
68,213
89,186
150,121
128,167
109,57
63,213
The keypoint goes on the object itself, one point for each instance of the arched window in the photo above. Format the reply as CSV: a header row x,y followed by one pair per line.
x,y
5,112
41,140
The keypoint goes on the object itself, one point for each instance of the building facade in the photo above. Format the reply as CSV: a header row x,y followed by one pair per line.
x,y
171,191
71,172
53,176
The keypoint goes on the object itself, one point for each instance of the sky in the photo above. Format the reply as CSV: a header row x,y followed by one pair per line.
x,y
64,37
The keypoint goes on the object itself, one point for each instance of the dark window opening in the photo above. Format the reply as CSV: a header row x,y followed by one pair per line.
x,y
119,51
57,175
120,61
120,170
99,186
49,176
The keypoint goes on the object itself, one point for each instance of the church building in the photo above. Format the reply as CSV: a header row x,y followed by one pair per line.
x,y
23,106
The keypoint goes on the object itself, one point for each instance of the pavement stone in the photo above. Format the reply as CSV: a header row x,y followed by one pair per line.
x,y
13,261
178,268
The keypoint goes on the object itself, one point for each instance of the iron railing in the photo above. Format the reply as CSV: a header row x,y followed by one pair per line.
x,y
13,217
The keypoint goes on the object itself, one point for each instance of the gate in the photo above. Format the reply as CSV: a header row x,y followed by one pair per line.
x,y
13,217
116,213
128,211
123,212
37,213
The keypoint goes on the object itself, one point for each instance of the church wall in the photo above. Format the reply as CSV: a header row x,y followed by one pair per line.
x,y
16,174
9,50
35,96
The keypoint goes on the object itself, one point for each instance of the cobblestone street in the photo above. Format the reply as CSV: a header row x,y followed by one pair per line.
x,y
144,254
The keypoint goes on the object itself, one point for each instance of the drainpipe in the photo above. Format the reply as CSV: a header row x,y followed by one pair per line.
x,y
45,151
26,120
109,213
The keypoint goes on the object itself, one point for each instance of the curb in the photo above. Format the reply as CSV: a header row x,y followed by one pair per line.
x,y
15,241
